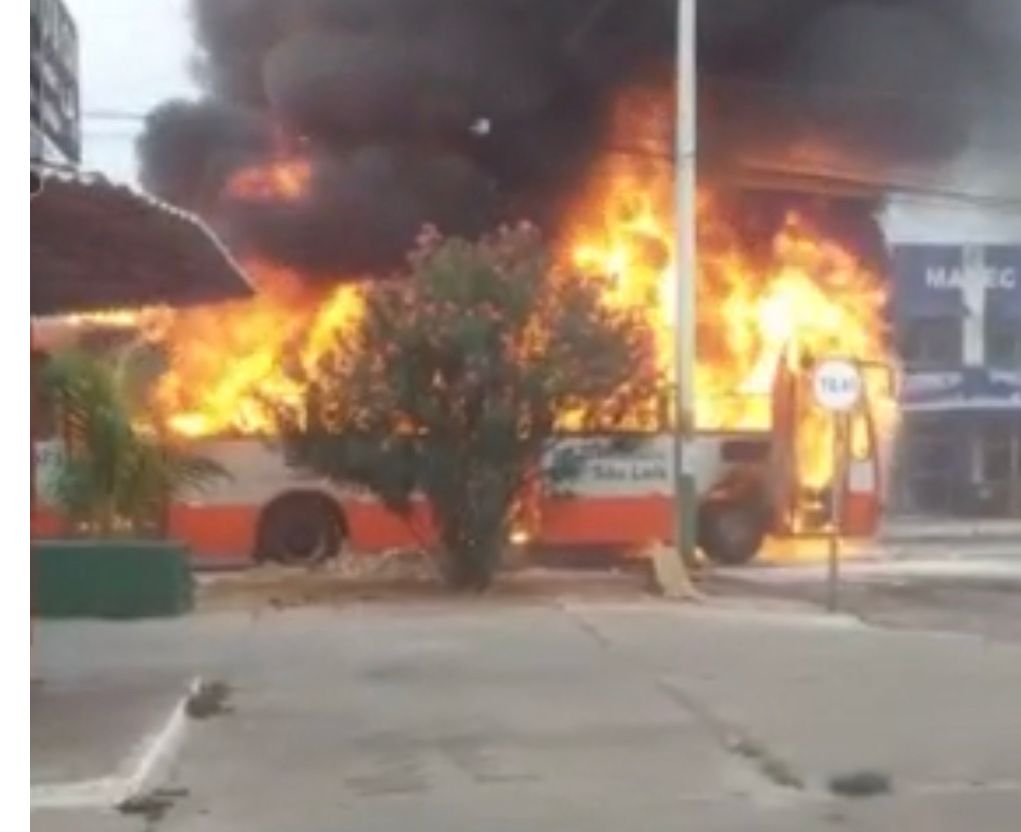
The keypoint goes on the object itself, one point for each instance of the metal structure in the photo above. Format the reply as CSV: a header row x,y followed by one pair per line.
x,y
685,281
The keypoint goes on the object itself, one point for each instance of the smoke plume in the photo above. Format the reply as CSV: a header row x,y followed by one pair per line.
x,y
466,112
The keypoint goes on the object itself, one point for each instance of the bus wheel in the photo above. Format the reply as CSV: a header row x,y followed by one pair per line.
x,y
300,528
730,533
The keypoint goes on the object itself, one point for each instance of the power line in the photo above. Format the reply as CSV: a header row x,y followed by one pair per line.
x,y
113,115
845,92
108,134
824,179
790,89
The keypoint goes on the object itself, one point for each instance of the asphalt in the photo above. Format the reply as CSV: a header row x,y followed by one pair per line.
x,y
958,585
563,715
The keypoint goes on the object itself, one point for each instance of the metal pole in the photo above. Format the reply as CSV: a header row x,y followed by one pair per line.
x,y
684,329
840,438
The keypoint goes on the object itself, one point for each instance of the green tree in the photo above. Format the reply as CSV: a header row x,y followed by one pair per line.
x,y
461,374
112,476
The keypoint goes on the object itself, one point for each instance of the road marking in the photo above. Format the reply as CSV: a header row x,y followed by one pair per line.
x,y
138,775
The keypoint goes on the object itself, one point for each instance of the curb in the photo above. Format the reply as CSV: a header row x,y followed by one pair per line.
x,y
739,609
140,774
983,532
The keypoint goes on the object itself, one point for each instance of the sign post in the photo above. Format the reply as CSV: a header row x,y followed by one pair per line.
x,y
838,388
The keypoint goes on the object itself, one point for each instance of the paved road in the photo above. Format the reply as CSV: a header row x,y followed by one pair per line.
x,y
968,588
573,716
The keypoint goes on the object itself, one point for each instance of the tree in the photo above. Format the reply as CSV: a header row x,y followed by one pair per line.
x,y
458,378
112,476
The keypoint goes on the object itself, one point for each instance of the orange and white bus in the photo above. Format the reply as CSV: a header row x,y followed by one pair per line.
x,y
749,486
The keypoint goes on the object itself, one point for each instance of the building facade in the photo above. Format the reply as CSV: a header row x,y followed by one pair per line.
x,y
957,319
56,131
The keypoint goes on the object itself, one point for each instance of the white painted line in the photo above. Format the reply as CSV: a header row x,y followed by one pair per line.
x,y
142,771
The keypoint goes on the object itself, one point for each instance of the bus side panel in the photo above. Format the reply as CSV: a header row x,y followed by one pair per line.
x,y
860,515
373,528
619,496
45,522
216,532
606,521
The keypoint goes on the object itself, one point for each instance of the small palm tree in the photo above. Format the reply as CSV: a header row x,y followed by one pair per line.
x,y
113,476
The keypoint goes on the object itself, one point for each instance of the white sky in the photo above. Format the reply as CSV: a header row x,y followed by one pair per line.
x,y
133,55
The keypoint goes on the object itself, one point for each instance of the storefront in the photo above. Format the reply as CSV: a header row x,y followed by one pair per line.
x,y
960,447
957,315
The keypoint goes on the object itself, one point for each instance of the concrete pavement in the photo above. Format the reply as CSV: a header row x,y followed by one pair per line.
x,y
906,529
575,715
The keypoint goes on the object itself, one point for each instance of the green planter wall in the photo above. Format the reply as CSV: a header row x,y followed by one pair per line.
x,y
110,578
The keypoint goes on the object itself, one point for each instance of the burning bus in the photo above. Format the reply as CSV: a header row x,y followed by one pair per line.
x,y
750,483
778,288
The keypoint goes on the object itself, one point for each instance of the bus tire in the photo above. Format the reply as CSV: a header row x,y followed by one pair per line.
x,y
730,533
300,527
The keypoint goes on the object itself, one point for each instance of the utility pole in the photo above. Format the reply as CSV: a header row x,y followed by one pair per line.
x,y
685,283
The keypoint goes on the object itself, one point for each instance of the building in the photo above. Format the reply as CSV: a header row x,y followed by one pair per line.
x,y
56,131
957,317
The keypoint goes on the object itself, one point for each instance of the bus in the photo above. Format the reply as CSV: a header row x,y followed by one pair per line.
x,y
750,485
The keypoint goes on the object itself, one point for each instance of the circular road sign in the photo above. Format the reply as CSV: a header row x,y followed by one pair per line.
x,y
837,385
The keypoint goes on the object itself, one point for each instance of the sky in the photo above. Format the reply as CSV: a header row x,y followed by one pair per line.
x,y
133,55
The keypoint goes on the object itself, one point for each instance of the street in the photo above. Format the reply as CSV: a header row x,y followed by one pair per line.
x,y
951,586
567,714
445,416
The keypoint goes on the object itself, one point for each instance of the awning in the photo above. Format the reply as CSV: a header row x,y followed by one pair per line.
x,y
99,246
972,389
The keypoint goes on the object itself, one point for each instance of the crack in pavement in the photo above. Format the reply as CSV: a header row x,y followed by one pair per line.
x,y
771,769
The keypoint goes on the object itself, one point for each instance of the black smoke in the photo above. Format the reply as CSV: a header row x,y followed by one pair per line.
x,y
466,112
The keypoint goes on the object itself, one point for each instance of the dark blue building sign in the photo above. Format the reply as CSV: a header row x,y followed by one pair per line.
x,y
1003,281
929,286
929,279
973,388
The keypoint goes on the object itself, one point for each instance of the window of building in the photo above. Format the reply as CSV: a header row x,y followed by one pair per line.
x,y
1000,444
931,468
931,342
1003,343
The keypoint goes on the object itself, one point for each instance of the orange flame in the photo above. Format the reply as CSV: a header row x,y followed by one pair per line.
x,y
229,365
808,294
285,179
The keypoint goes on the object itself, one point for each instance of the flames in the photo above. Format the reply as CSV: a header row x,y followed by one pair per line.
x,y
230,366
284,180
800,296
233,367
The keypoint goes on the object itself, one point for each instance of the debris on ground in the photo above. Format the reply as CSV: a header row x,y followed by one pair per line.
x,y
399,576
208,699
769,765
152,805
863,783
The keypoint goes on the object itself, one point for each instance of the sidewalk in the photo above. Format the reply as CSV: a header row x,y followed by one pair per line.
x,y
96,729
940,530
108,709
583,713
889,566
